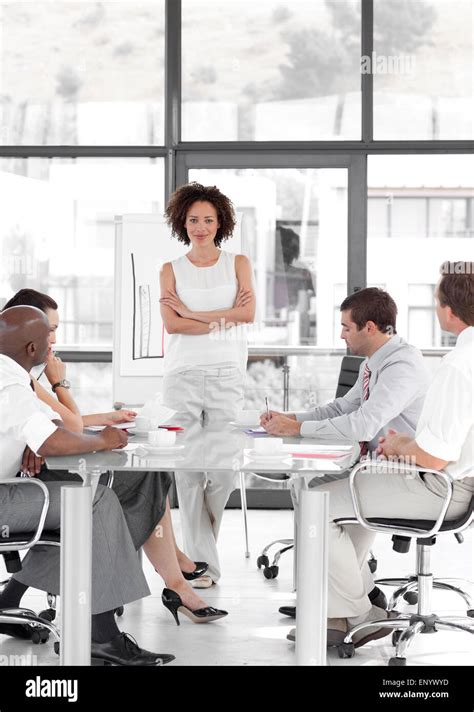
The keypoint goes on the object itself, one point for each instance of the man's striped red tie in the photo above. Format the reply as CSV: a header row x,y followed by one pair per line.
x,y
364,446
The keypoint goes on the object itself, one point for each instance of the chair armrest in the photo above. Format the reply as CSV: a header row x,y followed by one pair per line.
x,y
20,482
391,467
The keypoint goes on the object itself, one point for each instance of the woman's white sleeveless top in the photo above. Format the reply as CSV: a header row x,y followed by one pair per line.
x,y
207,289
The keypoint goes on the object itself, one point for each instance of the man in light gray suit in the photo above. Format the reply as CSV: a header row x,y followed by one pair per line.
x,y
388,394
28,428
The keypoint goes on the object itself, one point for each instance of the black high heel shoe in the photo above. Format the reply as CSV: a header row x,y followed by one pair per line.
x,y
172,601
201,568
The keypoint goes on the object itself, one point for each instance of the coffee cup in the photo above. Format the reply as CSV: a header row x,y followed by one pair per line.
x,y
268,446
250,418
162,437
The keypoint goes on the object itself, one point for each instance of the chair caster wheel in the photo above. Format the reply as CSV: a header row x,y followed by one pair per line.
x,y
39,635
411,598
396,637
470,613
346,650
397,662
49,614
262,561
56,647
270,572
119,611
372,565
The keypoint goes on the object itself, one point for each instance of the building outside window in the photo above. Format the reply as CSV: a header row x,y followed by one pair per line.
x,y
419,216
94,79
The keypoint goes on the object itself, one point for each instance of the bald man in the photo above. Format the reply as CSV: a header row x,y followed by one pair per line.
x,y
30,429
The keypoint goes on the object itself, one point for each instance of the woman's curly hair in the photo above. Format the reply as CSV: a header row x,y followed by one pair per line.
x,y
182,199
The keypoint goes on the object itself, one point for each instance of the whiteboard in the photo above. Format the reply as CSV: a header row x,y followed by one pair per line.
x,y
143,243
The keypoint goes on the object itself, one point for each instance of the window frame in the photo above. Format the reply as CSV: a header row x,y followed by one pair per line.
x,y
179,155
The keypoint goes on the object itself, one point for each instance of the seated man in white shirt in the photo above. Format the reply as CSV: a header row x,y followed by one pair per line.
x,y
443,440
444,437
389,392
28,425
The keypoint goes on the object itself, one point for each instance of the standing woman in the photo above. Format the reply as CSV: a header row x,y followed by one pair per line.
x,y
206,297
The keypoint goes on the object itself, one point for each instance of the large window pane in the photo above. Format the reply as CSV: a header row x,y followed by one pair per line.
x,y
422,233
451,217
82,73
423,69
270,70
294,229
312,381
408,218
92,384
378,218
57,233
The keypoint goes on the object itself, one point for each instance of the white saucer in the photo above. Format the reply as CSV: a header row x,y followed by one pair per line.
x,y
275,457
162,449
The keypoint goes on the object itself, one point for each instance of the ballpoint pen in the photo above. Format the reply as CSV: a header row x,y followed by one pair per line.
x,y
41,372
45,366
266,404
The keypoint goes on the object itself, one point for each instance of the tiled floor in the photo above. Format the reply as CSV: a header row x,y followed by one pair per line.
x,y
254,632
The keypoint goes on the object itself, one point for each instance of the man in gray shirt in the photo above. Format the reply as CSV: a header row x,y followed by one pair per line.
x,y
389,392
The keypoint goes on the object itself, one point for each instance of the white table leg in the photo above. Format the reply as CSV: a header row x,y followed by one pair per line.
x,y
76,570
243,501
297,485
312,582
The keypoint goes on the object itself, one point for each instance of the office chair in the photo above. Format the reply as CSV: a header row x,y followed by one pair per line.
x,y
41,624
406,626
348,375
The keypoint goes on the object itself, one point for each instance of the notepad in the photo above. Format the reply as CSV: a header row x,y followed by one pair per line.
x,y
320,455
119,426
256,432
319,451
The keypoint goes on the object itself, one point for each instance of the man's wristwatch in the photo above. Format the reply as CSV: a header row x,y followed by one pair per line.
x,y
61,384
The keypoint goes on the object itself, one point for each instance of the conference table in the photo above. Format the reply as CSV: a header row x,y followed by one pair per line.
x,y
212,448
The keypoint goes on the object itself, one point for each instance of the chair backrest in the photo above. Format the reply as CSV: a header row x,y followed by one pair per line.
x,y
348,374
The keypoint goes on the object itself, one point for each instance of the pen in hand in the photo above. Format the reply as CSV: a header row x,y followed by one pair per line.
x,y
41,372
54,354
268,411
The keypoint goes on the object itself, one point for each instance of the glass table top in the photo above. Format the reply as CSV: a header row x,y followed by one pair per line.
x,y
212,448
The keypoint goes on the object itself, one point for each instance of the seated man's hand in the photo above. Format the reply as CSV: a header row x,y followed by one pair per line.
x,y
31,463
264,418
280,424
389,445
113,438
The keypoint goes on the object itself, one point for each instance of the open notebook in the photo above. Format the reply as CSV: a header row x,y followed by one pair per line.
x,y
318,451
